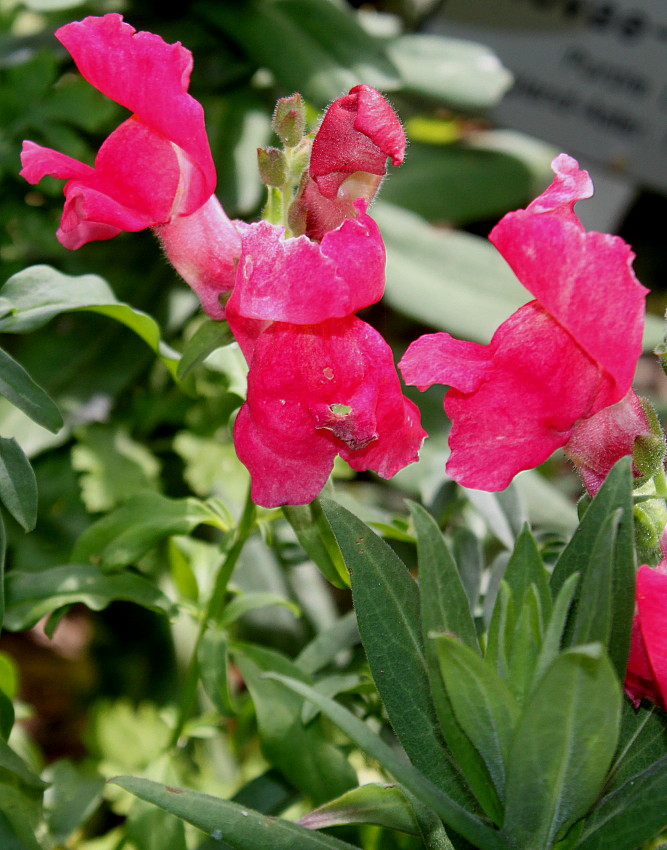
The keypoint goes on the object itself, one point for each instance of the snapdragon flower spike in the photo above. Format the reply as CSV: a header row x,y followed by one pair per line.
x,y
321,382
348,160
556,361
155,169
646,674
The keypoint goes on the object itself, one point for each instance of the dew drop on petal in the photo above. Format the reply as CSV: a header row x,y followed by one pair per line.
x,y
328,373
248,267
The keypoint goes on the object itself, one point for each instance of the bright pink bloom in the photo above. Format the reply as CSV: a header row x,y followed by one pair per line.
x,y
596,444
646,674
321,382
155,169
558,360
315,391
348,159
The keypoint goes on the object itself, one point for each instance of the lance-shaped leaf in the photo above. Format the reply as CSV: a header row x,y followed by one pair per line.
x,y
17,386
524,568
483,704
592,619
241,828
37,294
445,608
31,595
18,487
384,805
615,493
630,815
386,600
314,534
643,740
471,827
124,535
303,753
562,748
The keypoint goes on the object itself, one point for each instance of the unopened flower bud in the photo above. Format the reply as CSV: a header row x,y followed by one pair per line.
x,y
272,166
289,120
648,451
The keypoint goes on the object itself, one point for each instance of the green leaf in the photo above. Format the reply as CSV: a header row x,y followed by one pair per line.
x,y
18,486
592,619
331,686
208,336
123,536
458,73
481,291
113,466
302,753
323,649
632,814
213,658
37,294
444,603
562,747
525,644
384,805
17,386
386,600
553,634
444,606
21,793
312,46
3,554
31,595
525,568
642,741
314,534
249,601
243,829
483,704
460,819
615,493
71,799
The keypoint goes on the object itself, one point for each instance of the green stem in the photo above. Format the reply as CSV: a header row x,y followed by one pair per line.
x,y
660,482
214,609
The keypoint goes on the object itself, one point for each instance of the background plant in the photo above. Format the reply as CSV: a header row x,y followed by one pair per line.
x,y
140,514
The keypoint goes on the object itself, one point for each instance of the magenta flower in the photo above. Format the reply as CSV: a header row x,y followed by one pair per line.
x,y
321,382
646,674
154,170
556,361
596,444
348,159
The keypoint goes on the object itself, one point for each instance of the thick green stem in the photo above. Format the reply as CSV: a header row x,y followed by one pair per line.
x,y
212,612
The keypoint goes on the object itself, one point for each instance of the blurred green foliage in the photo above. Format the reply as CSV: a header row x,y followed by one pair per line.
x,y
138,499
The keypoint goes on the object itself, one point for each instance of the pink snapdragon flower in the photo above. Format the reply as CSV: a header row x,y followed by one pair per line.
x,y
321,382
155,170
558,360
646,674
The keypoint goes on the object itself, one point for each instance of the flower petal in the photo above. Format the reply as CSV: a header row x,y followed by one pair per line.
x,y
316,391
584,280
150,78
358,132
651,607
303,282
204,249
527,405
